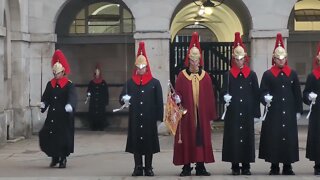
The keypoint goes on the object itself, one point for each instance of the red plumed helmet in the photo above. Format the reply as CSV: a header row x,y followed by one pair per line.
x,y
239,50
141,60
97,70
194,51
59,62
279,50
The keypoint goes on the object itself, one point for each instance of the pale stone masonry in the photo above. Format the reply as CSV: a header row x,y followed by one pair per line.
x,y
28,39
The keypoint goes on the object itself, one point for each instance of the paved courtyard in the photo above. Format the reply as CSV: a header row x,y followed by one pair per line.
x,y
100,155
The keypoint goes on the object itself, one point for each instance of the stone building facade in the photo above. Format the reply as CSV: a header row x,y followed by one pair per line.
x,y
30,31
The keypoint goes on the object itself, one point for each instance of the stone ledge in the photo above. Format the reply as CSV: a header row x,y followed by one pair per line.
x,y
16,139
272,33
3,31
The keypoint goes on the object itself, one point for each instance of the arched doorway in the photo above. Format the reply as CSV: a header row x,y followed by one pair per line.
x,y
99,31
216,33
304,28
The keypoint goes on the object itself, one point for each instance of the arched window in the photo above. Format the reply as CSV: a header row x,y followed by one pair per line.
x,y
102,18
307,16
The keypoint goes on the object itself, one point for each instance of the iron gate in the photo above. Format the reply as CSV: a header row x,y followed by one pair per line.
x,y
216,59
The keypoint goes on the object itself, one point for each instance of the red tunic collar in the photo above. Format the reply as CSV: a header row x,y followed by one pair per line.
x,y
62,82
316,72
97,80
276,70
142,80
235,71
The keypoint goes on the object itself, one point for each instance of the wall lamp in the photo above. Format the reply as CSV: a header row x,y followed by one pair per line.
x,y
206,6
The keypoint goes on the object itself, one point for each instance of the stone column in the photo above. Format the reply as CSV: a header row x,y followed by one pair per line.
x,y
157,49
21,84
41,50
3,124
262,46
152,22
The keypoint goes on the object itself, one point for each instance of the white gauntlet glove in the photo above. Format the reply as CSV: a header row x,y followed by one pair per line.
x,y
257,120
177,99
88,94
268,98
312,96
68,108
298,116
126,99
42,105
227,98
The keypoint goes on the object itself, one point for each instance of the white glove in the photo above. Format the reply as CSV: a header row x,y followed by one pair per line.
x,y
126,98
268,98
177,99
298,116
312,96
68,108
42,105
227,98
88,94
257,120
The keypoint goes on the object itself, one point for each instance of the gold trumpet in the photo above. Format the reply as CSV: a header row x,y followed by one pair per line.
x,y
181,108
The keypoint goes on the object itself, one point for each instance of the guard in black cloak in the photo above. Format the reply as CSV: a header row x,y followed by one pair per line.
x,y
144,94
311,97
281,94
98,96
240,91
56,137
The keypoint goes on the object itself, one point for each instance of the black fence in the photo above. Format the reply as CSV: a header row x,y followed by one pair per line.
x,y
216,57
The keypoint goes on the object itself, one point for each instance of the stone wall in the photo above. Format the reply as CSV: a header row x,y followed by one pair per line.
x,y
28,37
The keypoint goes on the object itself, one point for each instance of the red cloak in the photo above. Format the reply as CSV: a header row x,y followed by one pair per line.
x,y
187,151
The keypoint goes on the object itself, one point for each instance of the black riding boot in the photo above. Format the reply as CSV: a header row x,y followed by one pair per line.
x,y
138,168
201,170
235,169
245,169
287,169
316,169
186,170
63,162
148,163
54,161
275,169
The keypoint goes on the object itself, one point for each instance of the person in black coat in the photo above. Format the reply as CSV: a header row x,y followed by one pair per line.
x,y
144,94
98,96
281,94
311,97
240,91
56,137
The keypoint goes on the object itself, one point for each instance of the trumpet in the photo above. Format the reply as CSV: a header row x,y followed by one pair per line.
x,y
182,110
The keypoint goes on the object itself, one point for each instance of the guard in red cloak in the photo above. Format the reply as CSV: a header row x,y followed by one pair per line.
x,y
194,87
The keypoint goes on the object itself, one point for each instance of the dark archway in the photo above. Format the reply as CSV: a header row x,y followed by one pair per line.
x,y
113,51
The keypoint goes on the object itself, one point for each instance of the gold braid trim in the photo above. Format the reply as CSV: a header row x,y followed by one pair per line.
x,y
195,79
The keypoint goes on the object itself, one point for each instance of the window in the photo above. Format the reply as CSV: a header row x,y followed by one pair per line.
x,y
103,18
307,16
